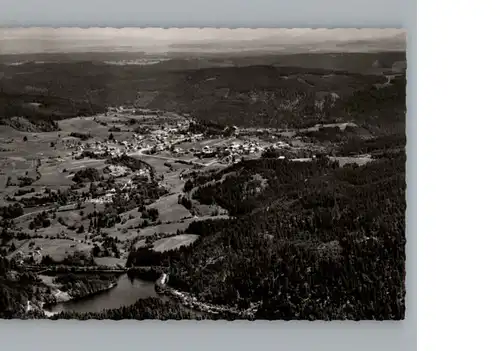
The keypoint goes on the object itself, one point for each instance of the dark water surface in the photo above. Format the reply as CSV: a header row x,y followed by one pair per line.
x,y
126,292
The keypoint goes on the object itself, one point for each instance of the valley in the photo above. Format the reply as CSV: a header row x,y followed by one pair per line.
x,y
257,184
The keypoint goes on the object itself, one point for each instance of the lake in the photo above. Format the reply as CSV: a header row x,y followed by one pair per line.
x,y
127,291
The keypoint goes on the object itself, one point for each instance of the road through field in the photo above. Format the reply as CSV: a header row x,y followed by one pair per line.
x,y
170,159
20,247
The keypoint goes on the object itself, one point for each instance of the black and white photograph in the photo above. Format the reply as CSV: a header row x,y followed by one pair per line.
x,y
202,174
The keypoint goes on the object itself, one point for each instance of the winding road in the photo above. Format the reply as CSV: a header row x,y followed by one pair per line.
x,y
171,159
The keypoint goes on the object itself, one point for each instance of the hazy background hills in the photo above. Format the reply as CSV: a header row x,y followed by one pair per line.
x,y
164,41
242,77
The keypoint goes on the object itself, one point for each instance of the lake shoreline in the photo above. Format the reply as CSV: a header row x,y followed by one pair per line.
x,y
71,298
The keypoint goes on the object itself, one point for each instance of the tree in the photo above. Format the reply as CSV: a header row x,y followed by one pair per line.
x,y
47,260
111,137
92,188
96,250
188,186
25,138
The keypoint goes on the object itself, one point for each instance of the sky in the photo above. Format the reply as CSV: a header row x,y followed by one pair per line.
x,y
158,40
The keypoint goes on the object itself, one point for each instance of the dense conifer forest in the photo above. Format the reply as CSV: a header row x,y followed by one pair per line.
x,y
316,241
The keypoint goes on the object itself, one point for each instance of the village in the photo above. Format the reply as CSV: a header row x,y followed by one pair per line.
x,y
174,140
263,184
115,182
93,161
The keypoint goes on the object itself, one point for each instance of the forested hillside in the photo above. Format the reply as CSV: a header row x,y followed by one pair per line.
x,y
274,91
317,242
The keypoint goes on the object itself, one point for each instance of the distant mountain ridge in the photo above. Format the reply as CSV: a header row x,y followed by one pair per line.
x,y
165,41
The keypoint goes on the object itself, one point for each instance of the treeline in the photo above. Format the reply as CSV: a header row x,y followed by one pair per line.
x,y
232,194
16,289
49,197
86,175
322,135
319,242
11,211
21,192
210,128
81,136
378,100
150,308
50,108
40,220
33,125
130,162
355,145
91,154
109,248
82,285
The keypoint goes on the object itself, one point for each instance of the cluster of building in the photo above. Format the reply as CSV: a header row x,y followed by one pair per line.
x,y
106,148
231,152
98,148
159,140
280,145
130,111
105,199
34,256
117,170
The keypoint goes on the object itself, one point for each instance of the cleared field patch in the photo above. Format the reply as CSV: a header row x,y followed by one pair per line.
x,y
17,166
36,145
70,218
157,163
111,262
76,165
52,231
52,176
60,173
207,210
215,164
57,249
144,98
8,133
343,160
83,125
346,160
175,242
17,163
128,234
123,135
86,208
169,210
175,183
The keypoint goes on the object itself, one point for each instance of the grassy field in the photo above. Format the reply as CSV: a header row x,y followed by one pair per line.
x,y
157,163
169,210
19,158
147,231
171,243
110,261
83,125
57,249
